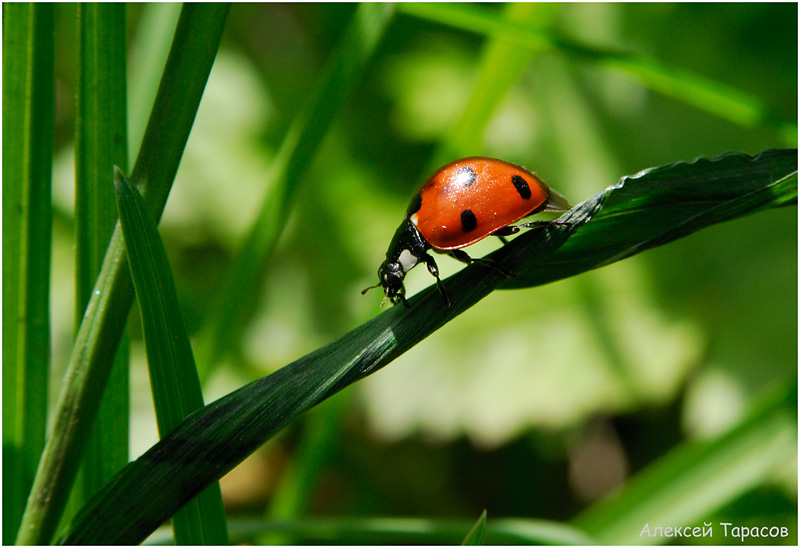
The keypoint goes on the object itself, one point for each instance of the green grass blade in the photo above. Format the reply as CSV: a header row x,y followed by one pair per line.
x,y
28,114
199,31
694,480
100,143
213,440
297,152
173,375
699,91
476,535
176,388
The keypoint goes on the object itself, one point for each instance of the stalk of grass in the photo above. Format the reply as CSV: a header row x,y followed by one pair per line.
x,y
297,152
502,63
191,57
28,107
652,208
100,143
173,375
706,94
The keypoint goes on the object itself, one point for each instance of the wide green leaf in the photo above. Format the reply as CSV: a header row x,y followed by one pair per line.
x,y
213,440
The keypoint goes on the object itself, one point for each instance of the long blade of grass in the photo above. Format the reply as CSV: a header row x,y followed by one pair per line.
x,y
28,113
696,479
100,143
191,57
213,440
173,375
297,152
722,100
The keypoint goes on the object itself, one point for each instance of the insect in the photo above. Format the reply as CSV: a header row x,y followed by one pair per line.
x,y
460,204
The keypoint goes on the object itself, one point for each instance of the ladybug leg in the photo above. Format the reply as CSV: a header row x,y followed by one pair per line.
x,y
464,258
402,298
506,231
461,256
434,270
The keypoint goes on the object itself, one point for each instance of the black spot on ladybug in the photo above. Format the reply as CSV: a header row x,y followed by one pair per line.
x,y
416,203
522,186
466,176
468,221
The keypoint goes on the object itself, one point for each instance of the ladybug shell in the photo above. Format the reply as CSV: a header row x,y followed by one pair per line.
x,y
469,199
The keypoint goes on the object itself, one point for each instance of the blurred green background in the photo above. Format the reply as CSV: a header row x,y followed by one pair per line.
x,y
533,403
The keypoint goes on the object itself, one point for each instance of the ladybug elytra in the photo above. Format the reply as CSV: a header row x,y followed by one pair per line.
x,y
460,204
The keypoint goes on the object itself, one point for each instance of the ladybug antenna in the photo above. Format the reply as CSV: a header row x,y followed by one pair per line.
x,y
364,291
385,296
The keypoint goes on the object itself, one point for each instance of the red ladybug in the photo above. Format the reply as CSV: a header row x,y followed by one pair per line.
x,y
460,204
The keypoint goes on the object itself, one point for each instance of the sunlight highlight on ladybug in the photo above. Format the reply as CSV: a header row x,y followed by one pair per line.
x,y
460,204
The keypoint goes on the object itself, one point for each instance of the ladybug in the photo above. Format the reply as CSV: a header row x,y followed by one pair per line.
x,y
460,204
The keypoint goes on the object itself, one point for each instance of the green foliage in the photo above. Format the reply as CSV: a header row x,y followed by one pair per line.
x,y
284,203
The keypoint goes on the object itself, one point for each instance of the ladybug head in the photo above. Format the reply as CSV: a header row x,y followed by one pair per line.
x,y
391,274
